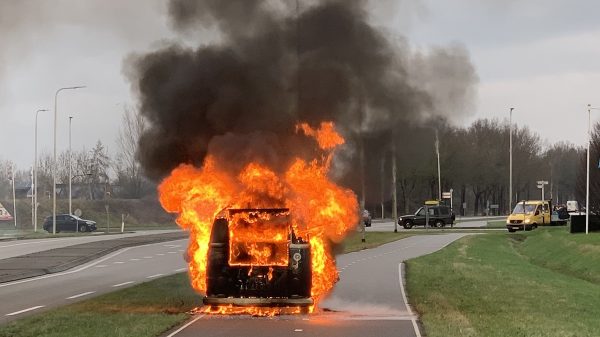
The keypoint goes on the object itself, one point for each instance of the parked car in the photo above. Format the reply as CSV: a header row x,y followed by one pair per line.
x,y
67,222
439,216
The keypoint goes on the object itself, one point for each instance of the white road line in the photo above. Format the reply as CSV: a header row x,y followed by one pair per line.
x,y
101,266
298,330
147,257
90,265
155,275
185,326
118,262
134,259
172,252
401,281
80,295
24,310
180,270
160,254
124,283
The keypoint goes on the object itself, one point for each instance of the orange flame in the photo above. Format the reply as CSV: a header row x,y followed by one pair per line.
x,y
319,209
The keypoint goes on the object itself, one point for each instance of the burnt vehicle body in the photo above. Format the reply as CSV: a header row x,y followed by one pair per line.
x,y
256,259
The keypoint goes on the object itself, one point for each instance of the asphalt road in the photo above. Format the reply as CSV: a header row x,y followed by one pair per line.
x,y
465,222
122,268
369,300
23,247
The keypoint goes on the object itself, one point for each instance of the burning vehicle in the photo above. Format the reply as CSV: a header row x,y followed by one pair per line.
x,y
256,259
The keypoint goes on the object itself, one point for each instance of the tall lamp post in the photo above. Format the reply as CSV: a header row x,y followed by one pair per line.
x,y
437,151
70,170
55,162
35,183
510,184
587,182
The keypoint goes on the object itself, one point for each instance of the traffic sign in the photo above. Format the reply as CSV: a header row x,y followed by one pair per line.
x,y
446,195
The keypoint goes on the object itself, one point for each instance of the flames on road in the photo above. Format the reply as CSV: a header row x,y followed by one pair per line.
x,y
320,210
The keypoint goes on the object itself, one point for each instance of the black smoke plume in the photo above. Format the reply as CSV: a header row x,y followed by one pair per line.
x,y
274,65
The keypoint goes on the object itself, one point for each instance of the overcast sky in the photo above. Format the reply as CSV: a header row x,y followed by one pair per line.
x,y
540,57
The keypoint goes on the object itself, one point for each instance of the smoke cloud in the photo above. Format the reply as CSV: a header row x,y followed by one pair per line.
x,y
274,65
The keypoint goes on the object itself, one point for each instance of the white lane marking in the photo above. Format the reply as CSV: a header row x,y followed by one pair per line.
x,y
80,295
298,330
147,257
124,283
101,266
185,326
160,254
155,275
171,252
180,270
134,259
118,262
75,270
401,281
24,310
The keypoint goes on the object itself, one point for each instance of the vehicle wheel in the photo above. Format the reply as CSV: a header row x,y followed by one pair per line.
x,y
529,228
83,228
439,224
510,230
407,225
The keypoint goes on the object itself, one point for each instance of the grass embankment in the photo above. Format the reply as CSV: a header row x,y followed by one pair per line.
x,y
540,283
148,309
141,213
496,224
353,242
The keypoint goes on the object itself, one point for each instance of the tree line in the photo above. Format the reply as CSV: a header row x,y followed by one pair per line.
x,y
474,163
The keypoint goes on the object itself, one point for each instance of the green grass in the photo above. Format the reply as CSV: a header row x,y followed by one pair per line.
x,y
148,309
540,283
353,242
496,224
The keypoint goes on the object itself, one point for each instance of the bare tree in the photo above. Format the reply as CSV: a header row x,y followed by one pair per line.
x,y
129,173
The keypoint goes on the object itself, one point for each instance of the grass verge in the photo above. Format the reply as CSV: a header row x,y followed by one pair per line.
x,y
540,283
353,242
496,224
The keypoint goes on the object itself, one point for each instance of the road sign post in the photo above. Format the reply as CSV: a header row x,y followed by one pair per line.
x,y
541,184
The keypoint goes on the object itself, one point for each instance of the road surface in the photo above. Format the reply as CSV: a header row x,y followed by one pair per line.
x,y
122,268
368,301
387,225
23,247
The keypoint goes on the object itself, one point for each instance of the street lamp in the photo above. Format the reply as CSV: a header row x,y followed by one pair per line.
x,y
510,165
70,170
35,183
587,182
55,162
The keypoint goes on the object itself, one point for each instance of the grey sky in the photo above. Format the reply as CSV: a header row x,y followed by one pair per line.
x,y
541,57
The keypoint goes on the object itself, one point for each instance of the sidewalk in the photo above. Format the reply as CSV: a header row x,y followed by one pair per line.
x,y
61,259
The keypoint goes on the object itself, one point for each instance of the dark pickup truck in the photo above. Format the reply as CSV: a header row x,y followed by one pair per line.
x,y
439,216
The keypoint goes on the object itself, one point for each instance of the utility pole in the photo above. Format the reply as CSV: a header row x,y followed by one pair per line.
x,y
35,183
510,196
70,172
437,151
394,186
382,185
12,174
